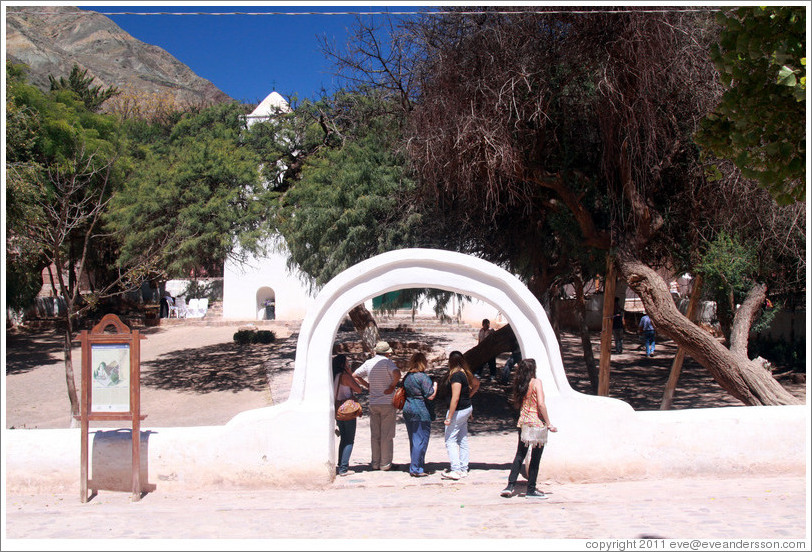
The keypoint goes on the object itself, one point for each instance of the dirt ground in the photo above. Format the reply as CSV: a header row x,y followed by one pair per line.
x,y
194,375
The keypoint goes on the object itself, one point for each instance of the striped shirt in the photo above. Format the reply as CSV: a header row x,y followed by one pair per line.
x,y
378,373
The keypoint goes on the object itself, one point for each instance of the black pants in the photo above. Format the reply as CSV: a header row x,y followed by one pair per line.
x,y
491,364
518,460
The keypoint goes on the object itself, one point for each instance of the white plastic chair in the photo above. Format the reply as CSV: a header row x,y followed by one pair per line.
x,y
203,306
180,307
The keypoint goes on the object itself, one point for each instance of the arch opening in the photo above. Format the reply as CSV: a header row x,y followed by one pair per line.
x,y
266,303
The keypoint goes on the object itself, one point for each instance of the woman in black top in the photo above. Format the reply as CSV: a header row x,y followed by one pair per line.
x,y
461,385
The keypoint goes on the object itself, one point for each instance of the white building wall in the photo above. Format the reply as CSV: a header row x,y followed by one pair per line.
x,y
245,285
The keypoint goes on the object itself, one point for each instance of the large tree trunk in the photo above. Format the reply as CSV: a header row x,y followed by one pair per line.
x,y
500,341
365,326
743,320
744,379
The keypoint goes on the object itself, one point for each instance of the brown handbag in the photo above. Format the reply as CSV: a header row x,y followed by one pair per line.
x,y
399,396
348,410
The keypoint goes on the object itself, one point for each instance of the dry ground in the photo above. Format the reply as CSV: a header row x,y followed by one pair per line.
x,y
196,375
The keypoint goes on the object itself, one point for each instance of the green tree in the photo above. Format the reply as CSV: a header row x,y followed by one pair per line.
x,y
61,171
727,268
760,121
191,196
349,203
92,96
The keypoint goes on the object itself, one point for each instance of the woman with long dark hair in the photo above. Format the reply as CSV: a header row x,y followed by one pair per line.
x,y
345,387
461,384
527,396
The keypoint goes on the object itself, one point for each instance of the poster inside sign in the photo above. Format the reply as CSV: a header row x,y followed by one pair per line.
x,y
110,364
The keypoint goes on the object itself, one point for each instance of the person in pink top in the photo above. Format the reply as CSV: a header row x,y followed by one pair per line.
x,y
534,423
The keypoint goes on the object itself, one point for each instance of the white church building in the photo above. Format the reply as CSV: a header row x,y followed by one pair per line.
x,y
264,288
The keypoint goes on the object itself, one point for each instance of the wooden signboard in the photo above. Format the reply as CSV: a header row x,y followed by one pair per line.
x,y
111,388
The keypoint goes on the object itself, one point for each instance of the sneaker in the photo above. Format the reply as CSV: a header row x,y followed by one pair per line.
x,y
507,492
386,467
533,493
348,472
464,473
452,475
420,474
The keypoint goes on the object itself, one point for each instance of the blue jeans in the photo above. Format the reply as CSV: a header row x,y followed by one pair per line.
x,y
419,433
649,337
456,440
347,431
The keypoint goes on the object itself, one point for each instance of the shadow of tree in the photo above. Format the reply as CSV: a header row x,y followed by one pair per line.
x,y
26,351
221,367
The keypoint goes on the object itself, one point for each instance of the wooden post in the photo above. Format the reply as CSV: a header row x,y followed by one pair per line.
x,y
135,409
676,367
609,285
85,424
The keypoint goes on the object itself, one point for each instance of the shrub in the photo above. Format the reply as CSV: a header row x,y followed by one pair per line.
x,y
253,336
264,336
243,336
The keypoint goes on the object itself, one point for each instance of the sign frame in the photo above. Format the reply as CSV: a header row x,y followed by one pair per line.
x,y
122,347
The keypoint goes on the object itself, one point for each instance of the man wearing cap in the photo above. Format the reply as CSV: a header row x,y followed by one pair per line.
x,y
380,375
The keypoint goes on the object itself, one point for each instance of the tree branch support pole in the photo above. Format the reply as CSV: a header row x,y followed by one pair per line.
x,y
676,367
609,285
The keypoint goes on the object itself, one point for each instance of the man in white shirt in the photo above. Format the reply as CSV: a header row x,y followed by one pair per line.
x,y
380,375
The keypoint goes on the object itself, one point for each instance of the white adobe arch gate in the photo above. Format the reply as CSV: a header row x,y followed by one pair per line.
x,y
306,419
417,268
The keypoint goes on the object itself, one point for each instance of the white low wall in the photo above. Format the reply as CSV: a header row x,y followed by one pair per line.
x,y
274,447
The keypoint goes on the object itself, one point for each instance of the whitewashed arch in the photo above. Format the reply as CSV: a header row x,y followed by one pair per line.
x,y
298,435
431,268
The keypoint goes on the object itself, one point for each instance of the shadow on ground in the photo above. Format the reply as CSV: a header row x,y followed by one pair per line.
x,y
26,351
222,367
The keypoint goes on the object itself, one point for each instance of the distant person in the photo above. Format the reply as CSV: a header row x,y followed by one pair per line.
x,y
459,384
527,395
647,327
513,359
345,387
380,375
166,302
617,326
484,332
417,412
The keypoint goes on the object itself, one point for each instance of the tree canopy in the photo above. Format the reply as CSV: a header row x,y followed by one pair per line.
x,y
760,120
194,193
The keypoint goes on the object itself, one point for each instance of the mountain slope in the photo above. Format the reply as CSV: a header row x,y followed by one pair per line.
x,y
50,39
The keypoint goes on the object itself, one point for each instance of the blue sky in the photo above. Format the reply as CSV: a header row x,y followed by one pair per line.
x,y
248,56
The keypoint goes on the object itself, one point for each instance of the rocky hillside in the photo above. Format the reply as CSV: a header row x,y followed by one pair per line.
x,y
50,39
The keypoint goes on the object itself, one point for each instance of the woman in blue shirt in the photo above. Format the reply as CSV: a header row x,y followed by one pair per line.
x,y
419,389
